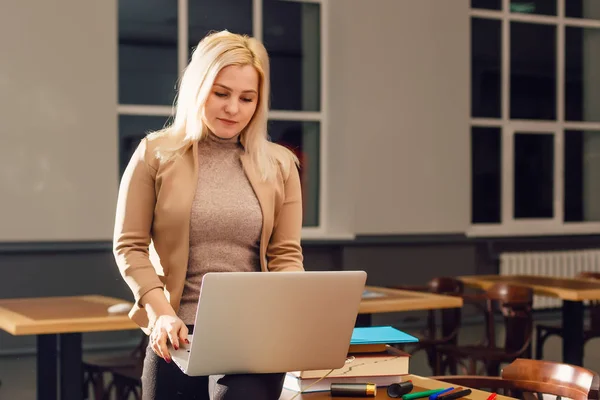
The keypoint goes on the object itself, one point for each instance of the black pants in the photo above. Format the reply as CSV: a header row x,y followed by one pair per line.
x,y
165,381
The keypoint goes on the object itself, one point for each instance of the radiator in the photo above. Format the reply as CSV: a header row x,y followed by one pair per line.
x,y
550,263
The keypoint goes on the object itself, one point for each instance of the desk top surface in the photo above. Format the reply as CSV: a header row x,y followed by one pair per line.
x,y
395,300
49,315
573,289
421,384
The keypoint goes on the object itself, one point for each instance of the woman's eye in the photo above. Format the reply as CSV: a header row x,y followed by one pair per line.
x,y
247,100
221,94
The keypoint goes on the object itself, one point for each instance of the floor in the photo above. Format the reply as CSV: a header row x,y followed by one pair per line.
x,y
18,376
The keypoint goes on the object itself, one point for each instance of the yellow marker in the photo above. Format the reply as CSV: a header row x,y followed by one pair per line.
x,y
353,390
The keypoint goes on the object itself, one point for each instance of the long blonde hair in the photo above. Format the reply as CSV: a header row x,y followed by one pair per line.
x,y
215,52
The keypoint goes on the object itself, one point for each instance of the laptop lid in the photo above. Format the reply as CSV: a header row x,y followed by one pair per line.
x,y
256,322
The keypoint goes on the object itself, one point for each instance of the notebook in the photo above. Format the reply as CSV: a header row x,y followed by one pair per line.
x,y
380,335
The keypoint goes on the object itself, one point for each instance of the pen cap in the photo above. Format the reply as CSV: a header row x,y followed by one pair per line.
x,y
397,390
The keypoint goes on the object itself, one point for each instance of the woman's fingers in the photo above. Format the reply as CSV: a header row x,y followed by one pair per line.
x,y
162,346
154,341
168,329
173,334
159,345
183,335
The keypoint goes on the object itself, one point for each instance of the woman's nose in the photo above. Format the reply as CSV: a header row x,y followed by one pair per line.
x,y
231,107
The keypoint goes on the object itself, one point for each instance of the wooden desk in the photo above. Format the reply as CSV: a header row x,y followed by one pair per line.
x,y
420,383
68,317
395,300
571,291
60,319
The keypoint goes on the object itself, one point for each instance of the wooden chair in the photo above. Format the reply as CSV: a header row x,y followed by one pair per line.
x,y
531,378
591,330
449,321
515,305
95,368
126,382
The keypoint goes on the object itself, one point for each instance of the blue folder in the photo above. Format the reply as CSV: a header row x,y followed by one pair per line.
x,y
380,335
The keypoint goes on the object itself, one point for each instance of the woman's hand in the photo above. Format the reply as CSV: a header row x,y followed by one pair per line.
x,y
167,328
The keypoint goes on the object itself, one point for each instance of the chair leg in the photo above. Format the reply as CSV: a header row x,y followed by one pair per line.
x,y
98,384
432,359
452,364
124,388
437,370
110,388
492,368
540,339
539,345
472,369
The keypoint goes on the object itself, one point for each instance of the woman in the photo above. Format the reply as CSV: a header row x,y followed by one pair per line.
x,y
208,193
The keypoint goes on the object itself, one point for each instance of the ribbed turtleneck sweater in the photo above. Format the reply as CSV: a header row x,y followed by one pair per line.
x,y
226,220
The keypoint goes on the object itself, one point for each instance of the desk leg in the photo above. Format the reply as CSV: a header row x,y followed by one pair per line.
x,y
46,367
363,320
572,320
71,369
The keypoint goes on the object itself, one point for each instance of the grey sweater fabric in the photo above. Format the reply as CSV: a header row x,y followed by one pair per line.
x,y
226,220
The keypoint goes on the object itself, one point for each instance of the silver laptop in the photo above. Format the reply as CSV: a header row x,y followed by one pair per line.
x,y
257,322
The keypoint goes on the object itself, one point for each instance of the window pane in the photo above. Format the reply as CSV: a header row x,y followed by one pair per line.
x,y
544,7
216,15
582,176
303,139
487,4
147,52
132,129
532,71
582,82
582,9
292,36
486,45
534,175
486,180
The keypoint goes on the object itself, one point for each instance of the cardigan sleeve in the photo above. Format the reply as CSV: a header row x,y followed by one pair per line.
x,y
284,252
133,224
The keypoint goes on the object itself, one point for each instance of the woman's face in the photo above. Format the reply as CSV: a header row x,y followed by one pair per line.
x,y
232,101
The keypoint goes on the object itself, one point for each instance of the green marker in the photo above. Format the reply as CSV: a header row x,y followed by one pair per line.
x,y
418,395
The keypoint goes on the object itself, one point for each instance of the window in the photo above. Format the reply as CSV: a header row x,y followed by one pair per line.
x,y
155,44
535,117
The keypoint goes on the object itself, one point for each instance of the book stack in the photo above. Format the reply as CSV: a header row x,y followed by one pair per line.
x,y
370,359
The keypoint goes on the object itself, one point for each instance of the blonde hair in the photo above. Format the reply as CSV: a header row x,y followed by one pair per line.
x,y
215,52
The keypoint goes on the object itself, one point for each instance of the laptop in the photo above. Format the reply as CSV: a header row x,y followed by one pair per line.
x,y
257,322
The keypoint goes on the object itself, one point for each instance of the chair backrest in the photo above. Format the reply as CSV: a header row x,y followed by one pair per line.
x,y
594,306
525,378
450,318
552,378
446,285
515,304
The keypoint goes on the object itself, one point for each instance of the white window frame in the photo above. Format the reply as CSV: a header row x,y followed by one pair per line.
x,y
316,232
509,226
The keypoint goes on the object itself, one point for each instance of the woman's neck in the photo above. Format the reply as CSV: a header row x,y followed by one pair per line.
x,y
215,140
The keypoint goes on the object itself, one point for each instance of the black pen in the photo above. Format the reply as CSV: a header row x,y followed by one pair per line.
x,y
456,395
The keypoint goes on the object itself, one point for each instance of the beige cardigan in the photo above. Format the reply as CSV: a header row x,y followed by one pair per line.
x,y
152,226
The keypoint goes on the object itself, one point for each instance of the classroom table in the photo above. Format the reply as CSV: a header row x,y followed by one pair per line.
x,y
420,384
383,300
60,320
572,291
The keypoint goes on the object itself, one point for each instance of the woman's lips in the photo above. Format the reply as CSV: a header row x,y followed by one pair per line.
x,y
227,121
